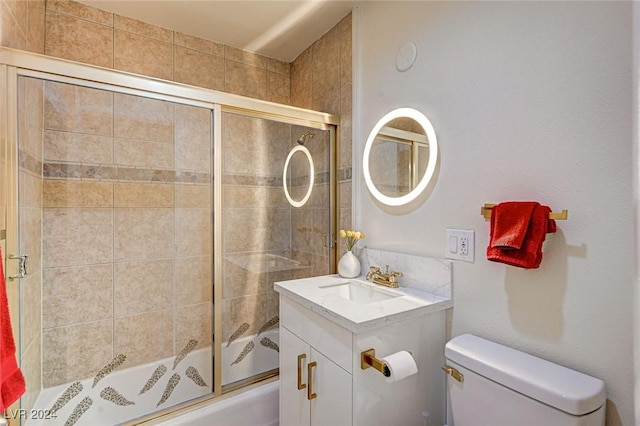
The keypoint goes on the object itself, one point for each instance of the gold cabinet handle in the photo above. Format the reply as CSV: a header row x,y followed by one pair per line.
x,y
453,373
301,385
310,394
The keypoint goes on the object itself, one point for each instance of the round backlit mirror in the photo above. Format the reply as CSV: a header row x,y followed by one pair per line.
x,y
298,176
400,156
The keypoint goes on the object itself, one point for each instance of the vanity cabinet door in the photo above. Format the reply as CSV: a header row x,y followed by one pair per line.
x,y
333,388
321,398
294,359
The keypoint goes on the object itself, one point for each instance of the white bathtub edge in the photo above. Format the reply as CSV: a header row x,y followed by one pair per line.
x,y
255,406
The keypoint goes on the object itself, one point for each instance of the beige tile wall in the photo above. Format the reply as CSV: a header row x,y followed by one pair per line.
x,y
83,33
22,24
127,253
321,79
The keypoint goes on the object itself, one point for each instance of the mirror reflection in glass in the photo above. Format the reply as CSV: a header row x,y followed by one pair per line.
x,y
400,156
298,176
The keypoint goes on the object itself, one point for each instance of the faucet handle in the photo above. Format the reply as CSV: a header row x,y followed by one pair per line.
x,y
393,275
373,270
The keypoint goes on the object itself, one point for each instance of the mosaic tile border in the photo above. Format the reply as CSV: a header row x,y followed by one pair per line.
x,y
345,174
120,173
276,181
52,170
28,162
246,180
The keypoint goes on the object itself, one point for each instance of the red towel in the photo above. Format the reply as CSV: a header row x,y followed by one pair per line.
x,y
12,384
518,230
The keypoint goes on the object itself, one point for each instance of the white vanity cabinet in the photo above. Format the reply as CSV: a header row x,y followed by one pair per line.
x,y
322,337
314,390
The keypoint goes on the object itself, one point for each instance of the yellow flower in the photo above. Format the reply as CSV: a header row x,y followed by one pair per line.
x,y
352,237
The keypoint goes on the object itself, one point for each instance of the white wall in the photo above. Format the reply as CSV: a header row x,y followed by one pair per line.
x,y
530,101
636,193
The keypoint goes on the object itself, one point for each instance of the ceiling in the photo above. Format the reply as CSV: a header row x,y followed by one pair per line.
x,y
280,29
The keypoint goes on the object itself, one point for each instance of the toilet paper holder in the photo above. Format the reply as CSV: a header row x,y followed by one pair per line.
x,y
368,359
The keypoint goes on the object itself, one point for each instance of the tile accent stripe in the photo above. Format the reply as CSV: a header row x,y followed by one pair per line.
x,y
29,162
52,170
345,174
273,181
119,173
245,180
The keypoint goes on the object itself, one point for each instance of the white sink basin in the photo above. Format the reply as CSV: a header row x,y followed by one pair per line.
x,y
356,304
358,292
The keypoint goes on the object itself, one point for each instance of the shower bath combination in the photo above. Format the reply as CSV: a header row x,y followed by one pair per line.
x,y
140,226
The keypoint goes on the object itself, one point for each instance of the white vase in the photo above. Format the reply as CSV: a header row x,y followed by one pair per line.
x,y
349,265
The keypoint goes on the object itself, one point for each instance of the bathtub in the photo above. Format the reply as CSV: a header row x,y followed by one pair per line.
x,y
257,406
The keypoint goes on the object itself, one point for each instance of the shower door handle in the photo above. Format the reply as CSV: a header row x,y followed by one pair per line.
x,y
329,240
301,385
22,265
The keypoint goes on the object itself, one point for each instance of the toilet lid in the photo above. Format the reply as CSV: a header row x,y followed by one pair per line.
x,y
561,387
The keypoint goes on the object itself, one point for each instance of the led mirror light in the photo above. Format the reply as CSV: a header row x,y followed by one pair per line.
x,y
304,199
423,121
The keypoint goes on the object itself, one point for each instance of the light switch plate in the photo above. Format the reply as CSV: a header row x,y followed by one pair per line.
x,y
460,244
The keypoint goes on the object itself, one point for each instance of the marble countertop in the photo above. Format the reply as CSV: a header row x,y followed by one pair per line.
x,y
374,306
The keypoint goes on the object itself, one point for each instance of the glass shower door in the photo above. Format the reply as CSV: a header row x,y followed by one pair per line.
x,y
118,185
265,238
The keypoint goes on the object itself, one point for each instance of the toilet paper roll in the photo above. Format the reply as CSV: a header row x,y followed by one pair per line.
x,y
401,365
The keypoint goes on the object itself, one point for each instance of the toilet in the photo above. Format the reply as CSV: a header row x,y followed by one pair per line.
x,y
501,386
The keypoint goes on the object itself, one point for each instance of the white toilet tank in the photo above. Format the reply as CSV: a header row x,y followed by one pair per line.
x,y
502,386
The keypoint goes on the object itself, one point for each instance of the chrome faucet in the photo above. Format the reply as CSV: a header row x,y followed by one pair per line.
x,y
387,279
